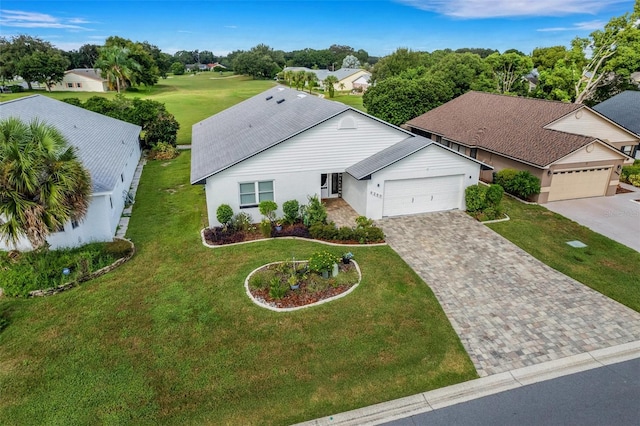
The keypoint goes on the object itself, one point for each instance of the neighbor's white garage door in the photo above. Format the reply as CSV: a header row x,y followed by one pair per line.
x,y
579,183
409,196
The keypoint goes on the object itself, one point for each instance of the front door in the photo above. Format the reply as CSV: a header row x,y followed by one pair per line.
x,y
330,185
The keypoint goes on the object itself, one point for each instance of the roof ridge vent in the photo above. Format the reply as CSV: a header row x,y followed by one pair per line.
x,y
279,101
280,89
302,95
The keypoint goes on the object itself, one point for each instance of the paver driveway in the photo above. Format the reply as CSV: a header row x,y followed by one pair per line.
x,y
509,309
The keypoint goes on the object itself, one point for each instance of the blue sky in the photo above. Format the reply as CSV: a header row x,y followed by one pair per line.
x,y
379,27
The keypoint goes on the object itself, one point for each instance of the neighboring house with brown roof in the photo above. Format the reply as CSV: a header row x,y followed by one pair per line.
x,y
82,80
574,151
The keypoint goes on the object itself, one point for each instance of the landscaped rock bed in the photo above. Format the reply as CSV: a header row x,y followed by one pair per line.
x,y
291,285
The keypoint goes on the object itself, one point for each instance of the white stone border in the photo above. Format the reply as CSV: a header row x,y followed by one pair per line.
x,y
497,220
215,246
297,308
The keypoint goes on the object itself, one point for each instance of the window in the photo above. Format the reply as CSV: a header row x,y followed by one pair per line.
x,y
111,201
60,228
70,85
455,146
439,139
74,224
78,85
627,149
252,193
122,177
473,153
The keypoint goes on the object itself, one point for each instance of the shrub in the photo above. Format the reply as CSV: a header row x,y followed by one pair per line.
x,y
363,221
475,198
522,183
635,180
118,249
322,231
268,209
504,176
163,151
525,185
493,195
314,212
291,211
265,228
629,171
345,233
224,214
241,222
322,261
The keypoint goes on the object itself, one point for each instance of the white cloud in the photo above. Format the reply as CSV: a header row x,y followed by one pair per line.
x,y
22,19
578,26
470,9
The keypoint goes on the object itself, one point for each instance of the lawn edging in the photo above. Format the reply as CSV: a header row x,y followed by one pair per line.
x,y
504,219
297,308
59,289
215,246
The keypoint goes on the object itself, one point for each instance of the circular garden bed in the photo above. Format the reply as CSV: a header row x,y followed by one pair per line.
x,y
291,285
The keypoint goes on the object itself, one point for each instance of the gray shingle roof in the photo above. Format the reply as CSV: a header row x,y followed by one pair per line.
x,y
104,144
509,125
395,153
623,109
87,72
252,126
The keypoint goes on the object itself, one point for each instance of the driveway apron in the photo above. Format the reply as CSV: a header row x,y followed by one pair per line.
x,y
509,309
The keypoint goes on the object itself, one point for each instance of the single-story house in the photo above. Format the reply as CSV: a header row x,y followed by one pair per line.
x,y
284,144
108,148
575,151
215,65
624,109
82,80
346,76
197,67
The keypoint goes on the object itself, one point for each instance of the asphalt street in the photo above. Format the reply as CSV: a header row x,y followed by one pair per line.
x,y
607,395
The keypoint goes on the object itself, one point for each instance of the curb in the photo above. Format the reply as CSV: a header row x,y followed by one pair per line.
x,y
478,388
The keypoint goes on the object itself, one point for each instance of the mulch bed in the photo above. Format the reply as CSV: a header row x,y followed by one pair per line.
x,y
621,190
218,236
302,296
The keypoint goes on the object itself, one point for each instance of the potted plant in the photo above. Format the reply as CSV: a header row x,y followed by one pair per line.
x,y
278,226
293,282
346,258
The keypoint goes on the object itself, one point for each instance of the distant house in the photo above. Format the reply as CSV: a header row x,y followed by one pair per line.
x,y
108,148
575,151
82,80
215,65
286,145
351,78
624,109
197,67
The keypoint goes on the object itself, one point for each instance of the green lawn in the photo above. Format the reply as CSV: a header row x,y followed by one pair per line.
x,y
172,338
611,268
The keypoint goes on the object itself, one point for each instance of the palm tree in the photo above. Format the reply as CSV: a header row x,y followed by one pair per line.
x,y
43,184
310,78
116,66
298,79
329,84
341,86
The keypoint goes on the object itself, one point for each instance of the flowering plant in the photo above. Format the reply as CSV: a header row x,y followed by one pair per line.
x,y
322,261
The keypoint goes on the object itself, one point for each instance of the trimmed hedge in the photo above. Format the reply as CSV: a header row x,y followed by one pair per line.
x,y
520,183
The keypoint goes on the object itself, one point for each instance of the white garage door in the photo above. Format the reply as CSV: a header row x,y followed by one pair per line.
x,y
409,196
579,183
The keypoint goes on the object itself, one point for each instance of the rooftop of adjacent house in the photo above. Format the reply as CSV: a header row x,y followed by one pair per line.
x,y
623,109
86,72
508,125
254,125
104,144
340,74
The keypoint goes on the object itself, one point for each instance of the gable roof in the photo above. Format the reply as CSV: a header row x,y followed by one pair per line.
x,y
397,152
91,73
103,144
256,124
623,109
507,125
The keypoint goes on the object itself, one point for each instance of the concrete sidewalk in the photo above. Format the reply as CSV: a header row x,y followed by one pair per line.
x,y
445,397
